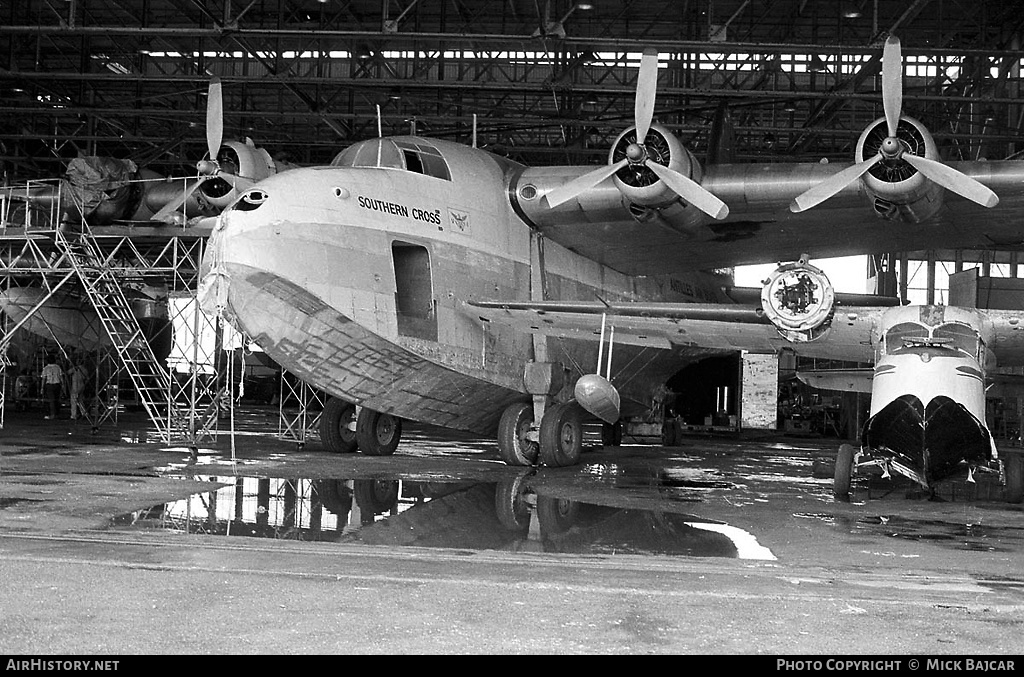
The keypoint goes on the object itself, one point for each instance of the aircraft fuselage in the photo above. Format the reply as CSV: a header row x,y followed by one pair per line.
x,y
928,392
355,278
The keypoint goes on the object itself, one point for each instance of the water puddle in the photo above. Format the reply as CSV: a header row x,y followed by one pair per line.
x,y
505,515
8,502
959,535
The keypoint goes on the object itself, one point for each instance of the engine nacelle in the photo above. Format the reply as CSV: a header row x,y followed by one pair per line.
x,y
241,165
799,300
898,191
638,183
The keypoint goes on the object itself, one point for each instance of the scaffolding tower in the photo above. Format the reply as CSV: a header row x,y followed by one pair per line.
x,y
41,249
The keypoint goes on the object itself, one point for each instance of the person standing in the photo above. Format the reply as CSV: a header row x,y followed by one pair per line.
x,y
78,376
53,383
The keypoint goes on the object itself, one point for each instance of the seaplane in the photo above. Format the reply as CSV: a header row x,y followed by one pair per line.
x,y
426,280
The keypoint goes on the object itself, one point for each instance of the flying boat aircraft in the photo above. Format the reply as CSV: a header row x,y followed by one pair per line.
x,y
382,277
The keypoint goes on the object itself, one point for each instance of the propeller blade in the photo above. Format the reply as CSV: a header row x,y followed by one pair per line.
x,y
832,185
646,90
571,189
214,118
691,191
953,180
892,83
177,203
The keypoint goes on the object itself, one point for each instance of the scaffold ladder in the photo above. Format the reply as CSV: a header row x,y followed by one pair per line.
x,y
150,378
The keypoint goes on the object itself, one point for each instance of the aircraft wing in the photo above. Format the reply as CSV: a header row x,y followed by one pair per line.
x,y
840,380
653,209
761,228
668,325
1007,337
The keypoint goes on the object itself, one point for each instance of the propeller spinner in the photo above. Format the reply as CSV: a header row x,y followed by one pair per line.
x,y
637,154
892,149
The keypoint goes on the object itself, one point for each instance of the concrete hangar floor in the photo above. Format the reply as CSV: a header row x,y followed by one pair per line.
x,y
112,544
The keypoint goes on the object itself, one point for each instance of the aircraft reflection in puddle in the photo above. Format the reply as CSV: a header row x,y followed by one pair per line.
x,y
481,516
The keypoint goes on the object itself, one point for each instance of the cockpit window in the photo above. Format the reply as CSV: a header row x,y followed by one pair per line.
x,y
896,337
953,337
960,337
424,159
417,157
371,153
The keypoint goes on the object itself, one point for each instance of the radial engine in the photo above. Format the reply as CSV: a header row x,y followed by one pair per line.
x,y
799,300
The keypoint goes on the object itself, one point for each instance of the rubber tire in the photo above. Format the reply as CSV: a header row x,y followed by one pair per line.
x,y
561,435
376,496
378,434
335,496
611,434
335,433
844,472
510,504
513,447
556,515
1014,467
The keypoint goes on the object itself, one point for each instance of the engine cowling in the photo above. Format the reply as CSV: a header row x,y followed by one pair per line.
x,y
799,300
240,166
638,183
898,190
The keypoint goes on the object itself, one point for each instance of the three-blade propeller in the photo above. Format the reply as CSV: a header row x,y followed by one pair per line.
x,y
894,149
636,153
208,167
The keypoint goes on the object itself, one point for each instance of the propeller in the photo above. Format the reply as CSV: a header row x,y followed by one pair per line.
x,y
208,168
893,149
636,153
211,168
214,127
